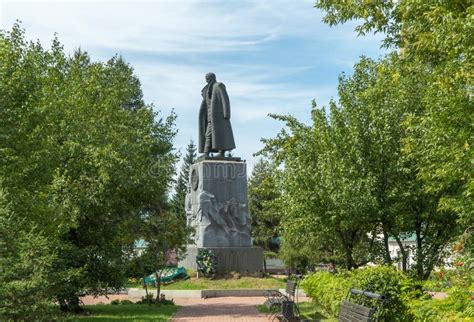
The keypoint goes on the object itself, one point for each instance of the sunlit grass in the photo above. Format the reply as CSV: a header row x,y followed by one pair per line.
x,y
126,312
203,283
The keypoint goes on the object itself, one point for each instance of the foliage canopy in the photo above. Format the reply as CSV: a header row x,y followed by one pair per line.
x,y
82,159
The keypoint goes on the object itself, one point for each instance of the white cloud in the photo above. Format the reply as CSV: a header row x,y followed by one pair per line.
x,y
182,26
172,44
178,86
171,26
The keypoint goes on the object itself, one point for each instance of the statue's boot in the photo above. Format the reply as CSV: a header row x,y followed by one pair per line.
x,y
222,153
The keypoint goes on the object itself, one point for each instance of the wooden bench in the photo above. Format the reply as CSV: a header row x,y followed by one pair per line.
x,y
353,312
275,299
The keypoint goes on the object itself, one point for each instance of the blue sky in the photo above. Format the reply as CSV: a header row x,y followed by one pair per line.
x,y
274,56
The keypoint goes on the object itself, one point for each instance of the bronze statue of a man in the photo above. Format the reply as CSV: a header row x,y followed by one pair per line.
x,y
215,131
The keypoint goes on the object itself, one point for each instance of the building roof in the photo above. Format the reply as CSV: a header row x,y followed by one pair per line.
x,y
404,238
140,243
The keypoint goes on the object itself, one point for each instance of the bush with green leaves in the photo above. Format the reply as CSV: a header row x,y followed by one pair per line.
x,y
329,290
121,302
460,275
459,299
458,306
206,262
392,283
405,302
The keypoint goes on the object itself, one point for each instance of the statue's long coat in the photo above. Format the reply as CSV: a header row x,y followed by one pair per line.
x,y
222,136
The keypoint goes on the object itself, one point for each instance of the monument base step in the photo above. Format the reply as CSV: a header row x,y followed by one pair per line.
x,y
218,158
229,259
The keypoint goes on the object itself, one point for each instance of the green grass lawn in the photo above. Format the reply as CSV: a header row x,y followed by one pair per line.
x,y
203,283
308,311
126,312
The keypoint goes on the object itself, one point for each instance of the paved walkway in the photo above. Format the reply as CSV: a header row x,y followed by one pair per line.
x,y
220,309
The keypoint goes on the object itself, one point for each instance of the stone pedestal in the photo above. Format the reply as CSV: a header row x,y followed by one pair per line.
x,y
229,259
217,209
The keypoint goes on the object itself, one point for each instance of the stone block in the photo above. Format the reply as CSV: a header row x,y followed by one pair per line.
x,y
245,260
216,204
216,207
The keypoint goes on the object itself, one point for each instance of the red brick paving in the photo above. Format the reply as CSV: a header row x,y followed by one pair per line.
x,y
220,309
216,309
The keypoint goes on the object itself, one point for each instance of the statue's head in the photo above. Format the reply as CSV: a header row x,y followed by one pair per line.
x,y
210,77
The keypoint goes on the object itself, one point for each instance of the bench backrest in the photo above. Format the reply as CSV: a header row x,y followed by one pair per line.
x,y
352,312
290,288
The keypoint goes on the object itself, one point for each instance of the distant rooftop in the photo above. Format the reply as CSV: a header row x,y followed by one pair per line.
x,y
406,238
140,243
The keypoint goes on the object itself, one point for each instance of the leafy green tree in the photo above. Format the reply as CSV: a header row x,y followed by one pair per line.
x,y
349,184
435,31
82,157
26,262
321,220
437,36
263,203
182,182
165,237
403,204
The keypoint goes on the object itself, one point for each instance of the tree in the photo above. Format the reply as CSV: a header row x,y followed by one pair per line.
x,y
437,36
25,269
264,193
403,205
263,203
433,31
349,184
82,157
434,41
165,236
321,220
182,182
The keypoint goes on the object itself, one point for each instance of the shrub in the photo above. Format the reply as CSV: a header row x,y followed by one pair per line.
x,y
191,273
121,302
458,299
469,310
115,302
443,310
461,275
147,299
133,281
389,281
327,290
235,275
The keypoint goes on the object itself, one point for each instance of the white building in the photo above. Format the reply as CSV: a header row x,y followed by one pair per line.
x,y
409,244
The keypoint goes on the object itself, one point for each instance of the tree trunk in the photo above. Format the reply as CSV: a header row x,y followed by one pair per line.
x,y
70,304
348,248
350,264
404,253
387,257
158,285
146,288
419,252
